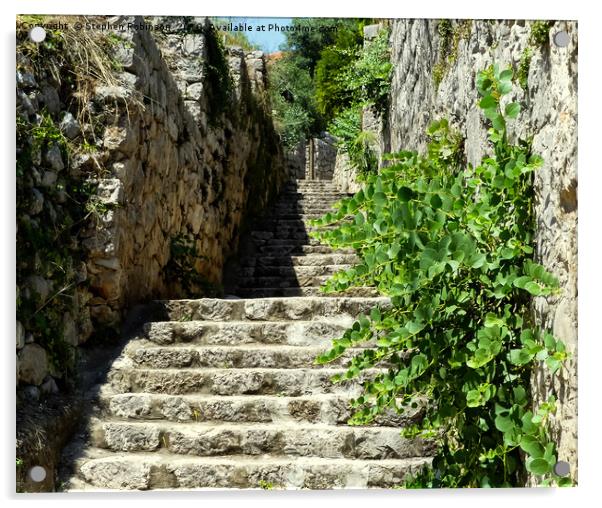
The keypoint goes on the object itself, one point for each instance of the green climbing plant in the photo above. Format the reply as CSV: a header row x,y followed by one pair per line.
x,y
452,247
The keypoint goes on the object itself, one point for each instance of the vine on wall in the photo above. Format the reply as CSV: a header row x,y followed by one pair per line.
x,y
452,247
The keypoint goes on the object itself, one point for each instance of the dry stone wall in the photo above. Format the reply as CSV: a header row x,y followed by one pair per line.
x,y
323,151
549,114
183,166
185,151
313,159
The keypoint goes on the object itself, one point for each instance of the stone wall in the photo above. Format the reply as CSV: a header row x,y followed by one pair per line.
x,y
344,175
324,152
181,166
549,114
312,159
178,150
296,161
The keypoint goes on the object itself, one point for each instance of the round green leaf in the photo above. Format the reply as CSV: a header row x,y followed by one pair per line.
x,y
530,445
538,466
512,110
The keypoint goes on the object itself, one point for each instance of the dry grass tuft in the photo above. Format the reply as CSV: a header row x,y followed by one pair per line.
x,y
78,58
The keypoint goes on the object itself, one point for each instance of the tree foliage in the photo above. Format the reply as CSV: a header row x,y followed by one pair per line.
x,y
452,247
292,94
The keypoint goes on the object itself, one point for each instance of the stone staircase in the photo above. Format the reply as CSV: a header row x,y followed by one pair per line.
x,y
281,259
224,393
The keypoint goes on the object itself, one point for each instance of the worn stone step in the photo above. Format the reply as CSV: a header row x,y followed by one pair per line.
x,y
299,236
296,261
282,281
292,271
293,241
310,181
329,191
125,378
294,216
303,291
328,409
149,355
295,250
304,187
279,221
265,309
301,207
298,439
292,333
315,195
315,202
276,223
100,469
269,230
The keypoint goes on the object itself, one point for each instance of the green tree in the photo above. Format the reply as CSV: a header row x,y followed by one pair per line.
x,y
332,91
312,35
292,93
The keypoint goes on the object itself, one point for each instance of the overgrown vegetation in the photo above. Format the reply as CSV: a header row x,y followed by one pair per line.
x,y
452,247
50,214
450,35
45,244
538,38
217,77
540,33
366,81
307,85
522,73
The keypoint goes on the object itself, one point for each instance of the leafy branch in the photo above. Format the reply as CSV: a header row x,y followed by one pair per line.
x,y
451,245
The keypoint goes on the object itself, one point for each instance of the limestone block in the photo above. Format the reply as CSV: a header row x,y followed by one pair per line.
x,y
20,335
33,364
69,126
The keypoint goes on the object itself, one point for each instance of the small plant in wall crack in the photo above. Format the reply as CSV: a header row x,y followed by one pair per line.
x,y
451,245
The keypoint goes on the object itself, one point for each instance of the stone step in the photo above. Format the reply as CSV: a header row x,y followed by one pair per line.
x,y
327,409
303,291
100,469
269,230
293,333
309,181
312,188
147,354
294,241
296,250
292,271
284,222
282,281
298,217
302,207
265,309
318,195
310,184
295,261
300,236
318,201
124,378
209,439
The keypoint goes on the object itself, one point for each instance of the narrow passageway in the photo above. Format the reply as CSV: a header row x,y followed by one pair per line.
x,y
225,393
